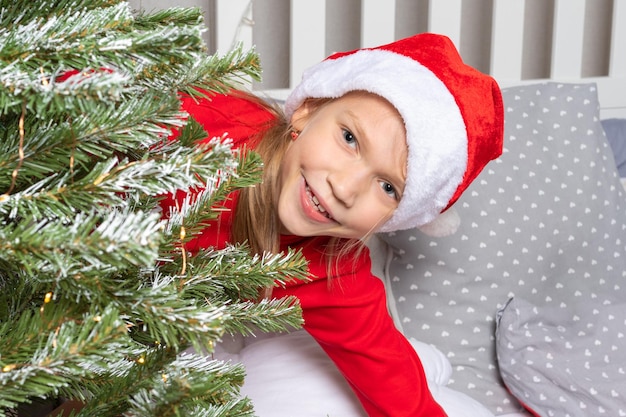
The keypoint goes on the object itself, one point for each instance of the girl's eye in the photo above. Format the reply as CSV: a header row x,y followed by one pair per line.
x,y
349,137
389,189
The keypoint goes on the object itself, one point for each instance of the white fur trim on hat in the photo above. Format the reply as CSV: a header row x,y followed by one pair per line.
x,y
435,129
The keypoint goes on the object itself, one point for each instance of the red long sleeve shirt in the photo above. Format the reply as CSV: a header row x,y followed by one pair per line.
x,y
347,313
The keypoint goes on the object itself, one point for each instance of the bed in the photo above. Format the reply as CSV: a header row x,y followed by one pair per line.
x,y
523,310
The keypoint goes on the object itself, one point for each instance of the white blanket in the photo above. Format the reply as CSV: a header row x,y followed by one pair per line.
x,y
290,375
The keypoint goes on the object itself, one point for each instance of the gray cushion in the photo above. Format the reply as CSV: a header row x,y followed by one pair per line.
x,y
545,222
615,130
564,361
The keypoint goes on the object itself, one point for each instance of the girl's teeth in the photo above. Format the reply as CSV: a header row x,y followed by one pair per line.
x,y
316,202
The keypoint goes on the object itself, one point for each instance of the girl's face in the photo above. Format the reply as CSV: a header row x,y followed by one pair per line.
x,y
344,174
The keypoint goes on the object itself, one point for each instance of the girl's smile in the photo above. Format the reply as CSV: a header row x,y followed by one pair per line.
x,y
314,208
344,174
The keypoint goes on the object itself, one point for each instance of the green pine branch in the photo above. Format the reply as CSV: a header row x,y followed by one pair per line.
x,y
54,249
214,386
69,350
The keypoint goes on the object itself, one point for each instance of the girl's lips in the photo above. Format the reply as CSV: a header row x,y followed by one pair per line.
x,y
313,207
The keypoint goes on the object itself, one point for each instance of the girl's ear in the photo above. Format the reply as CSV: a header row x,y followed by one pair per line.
x,y
300,116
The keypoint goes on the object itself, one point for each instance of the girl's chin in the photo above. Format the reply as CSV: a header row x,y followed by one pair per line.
x,y
306,228
299,229
312,230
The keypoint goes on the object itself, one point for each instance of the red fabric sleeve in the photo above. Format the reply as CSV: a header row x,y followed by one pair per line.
x,y
348,317
237,117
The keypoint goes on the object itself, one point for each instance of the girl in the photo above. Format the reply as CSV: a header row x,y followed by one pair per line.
x,y
373,140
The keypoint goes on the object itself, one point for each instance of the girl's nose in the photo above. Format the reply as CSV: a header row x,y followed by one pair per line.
x,y
347,182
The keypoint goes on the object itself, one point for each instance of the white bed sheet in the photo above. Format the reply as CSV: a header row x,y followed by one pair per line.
x,y
289,374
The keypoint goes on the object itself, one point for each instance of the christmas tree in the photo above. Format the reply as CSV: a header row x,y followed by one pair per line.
x,y
99,300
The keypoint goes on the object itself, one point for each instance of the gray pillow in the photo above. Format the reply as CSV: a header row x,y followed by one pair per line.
x,y
545,222
564,361
615,130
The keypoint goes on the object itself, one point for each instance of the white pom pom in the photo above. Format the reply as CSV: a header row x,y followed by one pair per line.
x,y
445,224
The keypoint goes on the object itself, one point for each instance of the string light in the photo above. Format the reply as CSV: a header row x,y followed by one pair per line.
x,y
183,251
8,368
20,150
46,299
44,80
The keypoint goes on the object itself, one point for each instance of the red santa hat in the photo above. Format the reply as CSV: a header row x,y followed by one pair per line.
x,y
452,113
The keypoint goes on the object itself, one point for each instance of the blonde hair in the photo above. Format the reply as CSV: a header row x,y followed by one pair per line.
x,y
255,219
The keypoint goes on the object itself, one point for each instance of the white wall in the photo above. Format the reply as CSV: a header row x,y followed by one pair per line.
x,y
291,35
